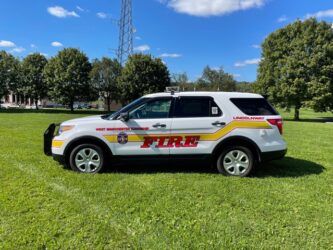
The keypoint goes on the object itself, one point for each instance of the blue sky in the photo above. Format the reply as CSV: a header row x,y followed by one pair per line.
x,y
187,34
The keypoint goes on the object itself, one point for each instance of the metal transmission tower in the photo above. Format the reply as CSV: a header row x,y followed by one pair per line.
x,y
125,31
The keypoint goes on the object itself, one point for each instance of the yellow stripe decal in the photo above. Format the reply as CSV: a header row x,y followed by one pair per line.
x,y
203,137
57,144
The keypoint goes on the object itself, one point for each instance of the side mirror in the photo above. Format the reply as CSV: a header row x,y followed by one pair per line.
x,y
124,117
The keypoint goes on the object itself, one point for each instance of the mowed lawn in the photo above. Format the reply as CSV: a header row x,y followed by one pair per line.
x,y
288,204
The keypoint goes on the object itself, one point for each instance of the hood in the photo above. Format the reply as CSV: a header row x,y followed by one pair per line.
x,y
83,120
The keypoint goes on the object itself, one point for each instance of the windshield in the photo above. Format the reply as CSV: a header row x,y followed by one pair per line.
x,y
125,109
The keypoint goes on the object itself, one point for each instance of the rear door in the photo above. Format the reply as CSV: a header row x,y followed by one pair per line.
x,y
149,123
194,126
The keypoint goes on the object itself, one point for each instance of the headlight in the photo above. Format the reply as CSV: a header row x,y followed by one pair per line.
x,y
65,128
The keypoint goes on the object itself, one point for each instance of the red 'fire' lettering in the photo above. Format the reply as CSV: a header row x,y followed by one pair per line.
x,y
175,141
148,141
161,142
191,141
172,141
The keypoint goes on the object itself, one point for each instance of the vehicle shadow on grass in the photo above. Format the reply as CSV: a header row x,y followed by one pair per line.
x,y
287,167
163,166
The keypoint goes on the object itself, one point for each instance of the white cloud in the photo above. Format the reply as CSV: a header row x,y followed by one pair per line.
x,y
138,38
60,12
57,44
44,54
102,15
33,46
282,19
321,14
4,43
212,7
167,55
256,46
247,62
17,50
79,8
142,48
216,68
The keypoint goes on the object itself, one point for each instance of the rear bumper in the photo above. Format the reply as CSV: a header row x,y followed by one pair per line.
x,y
272,155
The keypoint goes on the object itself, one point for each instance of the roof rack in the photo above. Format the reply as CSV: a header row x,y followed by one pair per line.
x,y
172,89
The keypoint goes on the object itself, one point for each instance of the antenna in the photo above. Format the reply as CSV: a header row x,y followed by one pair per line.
x,y
126,31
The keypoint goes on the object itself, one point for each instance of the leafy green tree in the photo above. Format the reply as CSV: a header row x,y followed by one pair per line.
x,y
181,80
297,66
34,83
216,79
67,75
10,74
105,75
141,75
246,87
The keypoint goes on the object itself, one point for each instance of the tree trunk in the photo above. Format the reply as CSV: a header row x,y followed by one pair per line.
x,y
296,114
72,106
108,101
36,103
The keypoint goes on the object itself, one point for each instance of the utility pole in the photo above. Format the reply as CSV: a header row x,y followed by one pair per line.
x,y
126,31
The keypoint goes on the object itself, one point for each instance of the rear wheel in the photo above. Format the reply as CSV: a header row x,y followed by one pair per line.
x,y
235,161
87,158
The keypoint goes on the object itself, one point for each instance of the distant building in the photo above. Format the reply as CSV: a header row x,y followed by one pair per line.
x,y
21,100
114,106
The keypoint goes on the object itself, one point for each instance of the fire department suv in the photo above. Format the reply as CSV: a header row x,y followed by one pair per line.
x,y
236,131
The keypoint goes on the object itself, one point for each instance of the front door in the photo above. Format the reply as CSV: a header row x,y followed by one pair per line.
x,y
148,126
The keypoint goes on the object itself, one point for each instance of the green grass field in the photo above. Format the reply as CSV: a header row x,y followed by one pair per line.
x,y
287,205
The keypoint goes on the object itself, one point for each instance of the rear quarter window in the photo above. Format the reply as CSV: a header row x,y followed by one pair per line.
x,y
254,106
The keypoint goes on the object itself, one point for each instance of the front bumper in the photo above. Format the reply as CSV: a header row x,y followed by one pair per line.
x,y
59,158
48,137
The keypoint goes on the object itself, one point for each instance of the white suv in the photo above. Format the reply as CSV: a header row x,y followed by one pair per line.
x,y
236,131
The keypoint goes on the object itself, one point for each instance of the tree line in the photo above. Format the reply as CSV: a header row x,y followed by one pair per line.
x,y
70,77
212,79
296,70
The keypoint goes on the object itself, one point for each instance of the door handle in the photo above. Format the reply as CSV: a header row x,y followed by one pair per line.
x,y
158,125
217,123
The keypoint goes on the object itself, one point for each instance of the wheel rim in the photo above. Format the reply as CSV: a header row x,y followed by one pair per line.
x,y
87,160
236,162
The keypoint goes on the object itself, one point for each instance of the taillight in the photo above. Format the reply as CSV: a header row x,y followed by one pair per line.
x,y
278,123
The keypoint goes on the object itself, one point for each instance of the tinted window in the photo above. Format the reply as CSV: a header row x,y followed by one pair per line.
x,y
254,106
155,109
187,107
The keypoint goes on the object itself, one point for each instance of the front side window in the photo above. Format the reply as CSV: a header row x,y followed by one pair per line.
x,y
156,109
188,107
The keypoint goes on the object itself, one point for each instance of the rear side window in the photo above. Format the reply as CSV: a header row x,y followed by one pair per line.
x,y
254,106
187,107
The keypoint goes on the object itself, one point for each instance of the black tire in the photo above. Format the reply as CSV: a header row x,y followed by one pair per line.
x,y
91,164
235,161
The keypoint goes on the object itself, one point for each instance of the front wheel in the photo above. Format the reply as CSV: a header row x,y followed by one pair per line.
x,y
87,158
235,161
